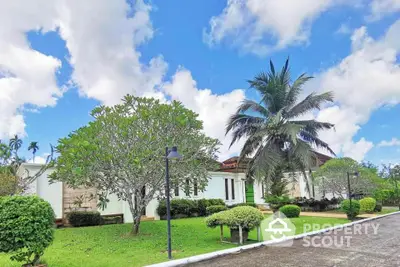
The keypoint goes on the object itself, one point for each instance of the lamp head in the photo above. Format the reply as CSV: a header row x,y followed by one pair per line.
x,y
173,153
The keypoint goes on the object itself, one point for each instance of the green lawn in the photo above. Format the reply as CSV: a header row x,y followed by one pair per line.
x,y
110,245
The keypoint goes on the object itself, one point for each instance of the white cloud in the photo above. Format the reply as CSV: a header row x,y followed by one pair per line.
x,y
214,110
362,82
393,142
26,76
344,29
249,23
381,8
102,42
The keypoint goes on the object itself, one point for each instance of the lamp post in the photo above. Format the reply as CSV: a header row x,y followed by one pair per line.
x,y
349,189
169,154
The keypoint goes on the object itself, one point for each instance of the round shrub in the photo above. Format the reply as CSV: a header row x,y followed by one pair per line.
x,y
378,207
247,217
355,208
84,218
216,219
26,227
367,204
290,211
215,209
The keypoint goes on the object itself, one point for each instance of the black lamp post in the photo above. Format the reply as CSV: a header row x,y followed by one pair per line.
x,y
349,189
169,154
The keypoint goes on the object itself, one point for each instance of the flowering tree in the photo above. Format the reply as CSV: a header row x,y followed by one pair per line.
x,y
122,151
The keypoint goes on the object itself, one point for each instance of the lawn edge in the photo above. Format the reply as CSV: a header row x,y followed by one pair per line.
x,y
219,253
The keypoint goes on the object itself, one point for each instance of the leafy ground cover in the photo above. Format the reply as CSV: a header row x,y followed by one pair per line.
x,y
109,245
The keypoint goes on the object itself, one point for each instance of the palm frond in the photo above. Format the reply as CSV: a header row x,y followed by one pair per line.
x,y
295,89
251,105
316,141
312,101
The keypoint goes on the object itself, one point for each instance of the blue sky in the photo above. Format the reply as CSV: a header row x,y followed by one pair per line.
x,y
62,58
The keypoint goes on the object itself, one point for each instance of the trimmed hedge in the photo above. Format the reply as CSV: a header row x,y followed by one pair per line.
x,y
254,205
367,204
182,208
215,209
26,227
84,218
355,208
247,217
290,211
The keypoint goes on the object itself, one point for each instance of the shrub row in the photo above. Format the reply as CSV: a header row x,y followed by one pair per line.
x,y
90,218
305,204
181,208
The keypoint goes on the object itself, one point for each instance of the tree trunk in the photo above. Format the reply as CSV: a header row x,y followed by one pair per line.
x,y
136,215
136,225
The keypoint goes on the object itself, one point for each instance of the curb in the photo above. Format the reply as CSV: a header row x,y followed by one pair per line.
x,y
215,254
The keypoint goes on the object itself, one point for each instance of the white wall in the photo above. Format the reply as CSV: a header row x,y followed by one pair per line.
x,y
41,187
115,206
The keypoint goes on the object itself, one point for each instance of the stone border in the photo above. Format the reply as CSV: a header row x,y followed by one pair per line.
x,y
215,254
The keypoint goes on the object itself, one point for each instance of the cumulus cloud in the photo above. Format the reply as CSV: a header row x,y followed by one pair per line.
x,y
26,76
213,109
381,8
393,142
102,41
362,82
248,24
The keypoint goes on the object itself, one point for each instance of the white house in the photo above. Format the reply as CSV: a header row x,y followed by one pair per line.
x,y
228,183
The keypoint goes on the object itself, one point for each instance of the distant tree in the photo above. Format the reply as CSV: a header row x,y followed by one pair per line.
x,y
392,174
34,147
332,177
15,144
122,152
276,139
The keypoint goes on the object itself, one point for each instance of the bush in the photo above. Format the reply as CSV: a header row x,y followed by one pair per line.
x,y
215,201
275,202
367,204
84,218
247,217
242,205
26,227
378,207
290,211
215,209
216,219
202,205
181,208
354,211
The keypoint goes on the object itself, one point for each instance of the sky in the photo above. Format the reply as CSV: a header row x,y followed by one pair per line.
x,y
61,58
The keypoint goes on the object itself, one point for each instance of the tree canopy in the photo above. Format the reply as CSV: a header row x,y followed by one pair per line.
x,y
122,151
332,177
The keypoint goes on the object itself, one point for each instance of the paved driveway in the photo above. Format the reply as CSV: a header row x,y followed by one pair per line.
x,y
365,249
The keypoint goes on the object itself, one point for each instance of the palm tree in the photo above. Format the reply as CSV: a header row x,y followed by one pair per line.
x,y
15,144
277,139
34,147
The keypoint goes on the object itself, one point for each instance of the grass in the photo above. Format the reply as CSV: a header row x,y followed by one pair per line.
x,y
385,210
109,245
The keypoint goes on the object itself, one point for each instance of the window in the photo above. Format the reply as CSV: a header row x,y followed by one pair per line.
x,y
176,189
195,189
187,188
226,190
233,188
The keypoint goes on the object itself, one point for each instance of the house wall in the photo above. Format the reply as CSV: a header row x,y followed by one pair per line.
x,y
57,193
41,187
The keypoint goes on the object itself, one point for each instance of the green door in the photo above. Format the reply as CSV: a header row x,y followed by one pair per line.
x,y
249,193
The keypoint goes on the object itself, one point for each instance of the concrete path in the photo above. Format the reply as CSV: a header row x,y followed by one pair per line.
x,y
328,214
365,248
